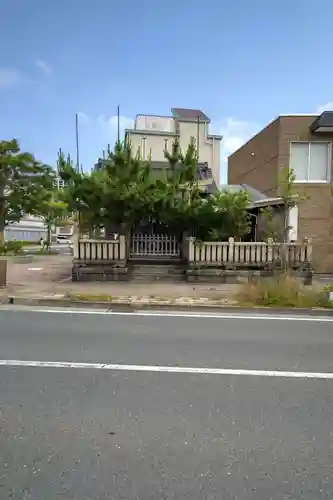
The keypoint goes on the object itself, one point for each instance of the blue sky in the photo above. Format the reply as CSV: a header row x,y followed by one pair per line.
x,y
243,62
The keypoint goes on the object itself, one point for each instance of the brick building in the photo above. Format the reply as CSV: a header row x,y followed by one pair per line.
x,y
303,143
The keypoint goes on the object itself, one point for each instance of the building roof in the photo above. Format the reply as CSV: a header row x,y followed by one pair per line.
x,y
323,123
253,193
257,198
189,114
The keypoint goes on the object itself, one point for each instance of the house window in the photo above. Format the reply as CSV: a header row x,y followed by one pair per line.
x,y
165,144
310,161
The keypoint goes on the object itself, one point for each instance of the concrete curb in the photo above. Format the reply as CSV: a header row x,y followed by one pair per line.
x,y
137,306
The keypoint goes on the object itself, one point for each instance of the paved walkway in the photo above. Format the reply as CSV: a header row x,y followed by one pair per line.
x,y
51,275
37,275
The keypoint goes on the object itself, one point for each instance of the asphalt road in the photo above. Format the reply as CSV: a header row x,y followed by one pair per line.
x,y
90,433
62,249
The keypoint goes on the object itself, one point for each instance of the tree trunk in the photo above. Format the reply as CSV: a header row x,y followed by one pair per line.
x,y
2,230
49,232
2,215
285,260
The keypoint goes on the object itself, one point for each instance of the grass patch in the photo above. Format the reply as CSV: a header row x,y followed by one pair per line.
x,y
30,243
284,291
82,297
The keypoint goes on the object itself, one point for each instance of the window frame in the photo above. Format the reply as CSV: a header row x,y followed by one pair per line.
x,y
328,167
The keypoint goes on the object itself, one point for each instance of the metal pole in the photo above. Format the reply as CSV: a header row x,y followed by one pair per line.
x,y
77,142
118,124
198,136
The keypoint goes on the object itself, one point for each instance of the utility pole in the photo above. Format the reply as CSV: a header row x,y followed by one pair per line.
x,y
118,124
198,137
77,142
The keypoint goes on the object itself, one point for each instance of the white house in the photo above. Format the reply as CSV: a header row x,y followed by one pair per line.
x,y
153,135
29,228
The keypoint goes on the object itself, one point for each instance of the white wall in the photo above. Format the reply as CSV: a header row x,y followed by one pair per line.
x,y
156,123
25,233
29,228
293,223
209,149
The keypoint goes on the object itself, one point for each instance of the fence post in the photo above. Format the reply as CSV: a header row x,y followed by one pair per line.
x,y
231,250
191,249
77,242
122,247
269,250
308,243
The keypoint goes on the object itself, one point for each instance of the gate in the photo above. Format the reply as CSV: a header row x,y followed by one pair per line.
x,y
154,245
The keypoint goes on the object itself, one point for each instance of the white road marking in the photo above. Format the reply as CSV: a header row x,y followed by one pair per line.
x,y
35,269
166,369
172,314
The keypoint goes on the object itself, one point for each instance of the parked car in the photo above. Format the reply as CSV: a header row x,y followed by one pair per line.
x,y
62,239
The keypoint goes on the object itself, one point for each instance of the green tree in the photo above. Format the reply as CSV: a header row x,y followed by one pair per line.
x,y
290,196
179,197
269,228
126,190
222,216
22,178
115,196
52,211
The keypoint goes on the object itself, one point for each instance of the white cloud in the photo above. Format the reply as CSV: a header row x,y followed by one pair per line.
x,y
235,134
11,78
110,124
97,131
44,67
325,107
83,118
107,125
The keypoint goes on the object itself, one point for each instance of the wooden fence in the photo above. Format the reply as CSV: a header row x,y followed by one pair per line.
x,y
244,254
100,251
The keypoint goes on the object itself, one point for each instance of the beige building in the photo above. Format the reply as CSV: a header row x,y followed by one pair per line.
x,y
152,135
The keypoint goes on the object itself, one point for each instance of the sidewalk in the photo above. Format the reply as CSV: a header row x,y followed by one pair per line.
x,y
49,277
46,281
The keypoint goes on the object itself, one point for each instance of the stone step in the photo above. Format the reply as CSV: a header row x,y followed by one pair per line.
x,y
152,278
155,272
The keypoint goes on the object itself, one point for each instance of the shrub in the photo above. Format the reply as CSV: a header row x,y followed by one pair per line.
x,y
11,247
14,246
284,291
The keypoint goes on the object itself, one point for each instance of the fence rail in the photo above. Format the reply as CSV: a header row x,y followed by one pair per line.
x,y
100,250
225,253
248,254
